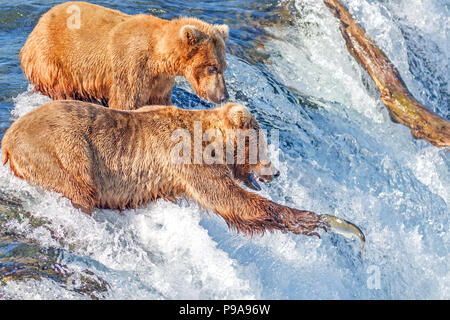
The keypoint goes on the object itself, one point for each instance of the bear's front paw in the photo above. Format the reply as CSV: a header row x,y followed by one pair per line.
x,y
301,222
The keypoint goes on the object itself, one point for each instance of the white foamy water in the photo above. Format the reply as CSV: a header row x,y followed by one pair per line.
x,y
342,156
146,253
395,186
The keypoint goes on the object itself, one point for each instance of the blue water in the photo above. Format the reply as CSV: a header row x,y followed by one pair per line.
x,y
339,153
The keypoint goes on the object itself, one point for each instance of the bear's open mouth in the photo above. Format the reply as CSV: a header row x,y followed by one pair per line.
x,y
254,178
253,181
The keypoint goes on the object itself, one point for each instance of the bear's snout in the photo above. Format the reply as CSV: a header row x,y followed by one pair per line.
x,y
267,174
218,93
225,96
218,97
268,178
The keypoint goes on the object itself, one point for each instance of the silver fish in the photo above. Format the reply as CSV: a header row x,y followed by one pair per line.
x,y
344,228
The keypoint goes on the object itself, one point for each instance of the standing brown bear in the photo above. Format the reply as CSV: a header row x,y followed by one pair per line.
x,y
87,52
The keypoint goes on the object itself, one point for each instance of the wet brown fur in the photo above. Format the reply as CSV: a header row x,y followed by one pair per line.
x,y
124,61
105,158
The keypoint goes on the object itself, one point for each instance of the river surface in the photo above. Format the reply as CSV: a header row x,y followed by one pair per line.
x,y
339,153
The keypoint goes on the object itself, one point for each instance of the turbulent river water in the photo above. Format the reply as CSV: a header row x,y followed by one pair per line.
x,y
339,153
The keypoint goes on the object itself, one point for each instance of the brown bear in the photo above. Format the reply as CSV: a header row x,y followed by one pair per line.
x,y
86,52
106,158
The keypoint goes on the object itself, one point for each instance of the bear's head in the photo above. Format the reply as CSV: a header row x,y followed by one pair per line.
x,y
250,163
203,51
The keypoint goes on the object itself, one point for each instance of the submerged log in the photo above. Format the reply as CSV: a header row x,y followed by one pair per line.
x,y
393,92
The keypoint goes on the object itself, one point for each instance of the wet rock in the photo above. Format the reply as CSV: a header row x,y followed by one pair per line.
x,y
22,259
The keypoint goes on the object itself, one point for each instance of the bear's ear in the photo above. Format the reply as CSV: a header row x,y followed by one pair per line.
x,y
189,34
240,116
223,30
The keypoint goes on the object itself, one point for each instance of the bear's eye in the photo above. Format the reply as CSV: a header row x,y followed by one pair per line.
x,y
212,70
